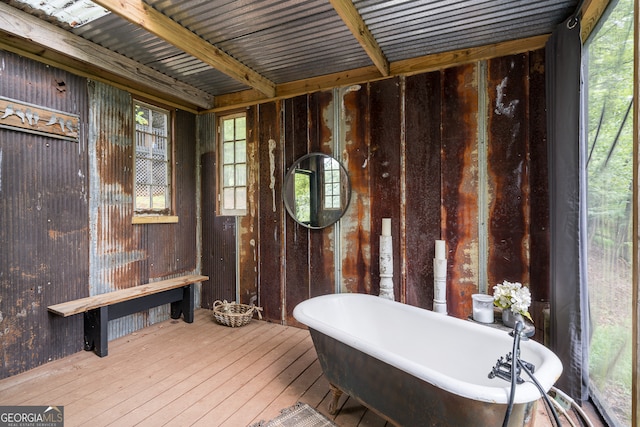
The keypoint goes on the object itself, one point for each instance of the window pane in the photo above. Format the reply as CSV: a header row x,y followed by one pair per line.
x,y
302,196
241,198
233,167
228,198
159,173
228,157
159,200
241,128
241,175
227,130
152,178
143,197
229,176
142,116
609,88
241,152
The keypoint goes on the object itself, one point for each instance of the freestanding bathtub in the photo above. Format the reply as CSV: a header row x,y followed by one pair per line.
x,y
415,367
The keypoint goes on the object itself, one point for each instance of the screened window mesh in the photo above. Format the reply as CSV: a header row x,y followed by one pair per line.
x,y
152,171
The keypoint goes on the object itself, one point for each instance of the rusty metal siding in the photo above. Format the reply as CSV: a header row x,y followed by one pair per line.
x,y
297,238
271,211
117,257
122,254
508,170
322,256
356,223
180,238
460,185
422,222
539,180
218,233
248,226
43,220
386,140
412,147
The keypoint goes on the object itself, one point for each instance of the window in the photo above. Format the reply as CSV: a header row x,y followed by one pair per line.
x,y
303,188
332,197
609,91
152,161
233,164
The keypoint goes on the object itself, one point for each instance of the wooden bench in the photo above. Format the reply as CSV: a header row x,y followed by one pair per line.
x,y
99,309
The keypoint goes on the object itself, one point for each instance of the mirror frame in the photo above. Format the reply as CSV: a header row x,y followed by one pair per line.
x,y
345,183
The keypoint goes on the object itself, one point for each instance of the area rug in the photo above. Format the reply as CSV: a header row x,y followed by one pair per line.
x,y
299,415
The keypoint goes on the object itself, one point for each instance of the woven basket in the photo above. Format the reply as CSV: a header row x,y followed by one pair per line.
x,y
234,314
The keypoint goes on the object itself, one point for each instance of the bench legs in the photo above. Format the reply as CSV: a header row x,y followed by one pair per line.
x,y
96,321
95,330
186,306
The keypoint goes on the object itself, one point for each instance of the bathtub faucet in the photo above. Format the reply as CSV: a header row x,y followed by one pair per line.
x,y
507,363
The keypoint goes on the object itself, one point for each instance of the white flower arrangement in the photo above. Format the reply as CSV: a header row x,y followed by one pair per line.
x,y
512,296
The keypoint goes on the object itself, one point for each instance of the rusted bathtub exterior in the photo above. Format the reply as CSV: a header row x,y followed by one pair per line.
x,y
418,368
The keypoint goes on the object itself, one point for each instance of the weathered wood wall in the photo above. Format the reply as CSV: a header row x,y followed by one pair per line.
x,y
457,154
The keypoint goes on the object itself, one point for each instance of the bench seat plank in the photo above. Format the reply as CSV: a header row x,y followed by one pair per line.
x,y
83,305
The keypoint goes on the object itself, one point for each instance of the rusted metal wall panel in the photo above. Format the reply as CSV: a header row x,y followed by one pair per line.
x,y
174,246
460,185
123,254
539,194
356,223
422,171
218,232
322,242
539,179
43,220
297,238
271,211
508,170
385,163
413,147
248,225
117,256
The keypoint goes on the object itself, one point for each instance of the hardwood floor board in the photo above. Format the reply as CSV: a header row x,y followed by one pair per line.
x,y
284,382
244,387
316,396
144,405
63,372
148,359
371,419
222,380
167,376
292,393
351,412
71,373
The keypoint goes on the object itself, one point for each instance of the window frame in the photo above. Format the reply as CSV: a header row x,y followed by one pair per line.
x,y
220,170
329,184
165,215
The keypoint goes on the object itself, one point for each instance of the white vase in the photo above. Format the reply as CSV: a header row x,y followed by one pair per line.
x,y
509,318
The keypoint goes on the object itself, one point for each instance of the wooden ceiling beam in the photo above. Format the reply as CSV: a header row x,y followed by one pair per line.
x,y
407,67
361,32
591,13
29,36
151,20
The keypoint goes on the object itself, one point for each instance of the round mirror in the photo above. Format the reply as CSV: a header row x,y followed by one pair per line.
x,y
316,190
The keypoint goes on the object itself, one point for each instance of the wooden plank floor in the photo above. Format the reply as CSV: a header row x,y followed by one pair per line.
x,y
179,374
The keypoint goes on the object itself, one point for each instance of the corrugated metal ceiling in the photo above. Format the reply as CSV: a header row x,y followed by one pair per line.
x,y
289,40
